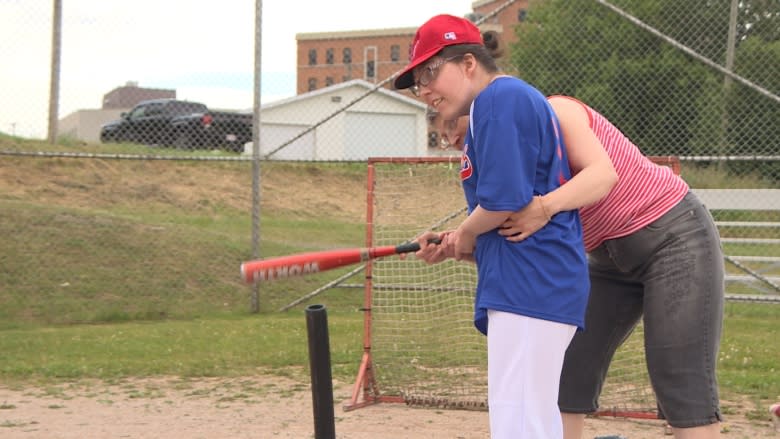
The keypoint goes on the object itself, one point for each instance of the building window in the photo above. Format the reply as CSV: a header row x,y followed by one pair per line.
x,y
370,71
395,53
347,55
312,84
328,81
312,57
329,56
521,13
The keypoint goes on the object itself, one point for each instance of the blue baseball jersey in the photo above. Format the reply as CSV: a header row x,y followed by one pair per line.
x,y
514,151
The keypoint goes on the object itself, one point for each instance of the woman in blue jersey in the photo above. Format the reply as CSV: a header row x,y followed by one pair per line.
x,y
531,295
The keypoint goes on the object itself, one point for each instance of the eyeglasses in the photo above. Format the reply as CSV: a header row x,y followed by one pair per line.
x,y
428,74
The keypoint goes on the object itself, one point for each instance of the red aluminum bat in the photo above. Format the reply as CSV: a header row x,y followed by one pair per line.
x,y
314,262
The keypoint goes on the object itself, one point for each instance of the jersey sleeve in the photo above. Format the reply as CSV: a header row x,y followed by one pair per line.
x,y
507,147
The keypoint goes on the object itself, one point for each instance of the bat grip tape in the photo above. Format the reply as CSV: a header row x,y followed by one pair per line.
x,y
413,246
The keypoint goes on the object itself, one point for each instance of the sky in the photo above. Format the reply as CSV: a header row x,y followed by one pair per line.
x,y
203,49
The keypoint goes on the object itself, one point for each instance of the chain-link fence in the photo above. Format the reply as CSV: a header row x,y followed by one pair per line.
x,y
166,156
688,79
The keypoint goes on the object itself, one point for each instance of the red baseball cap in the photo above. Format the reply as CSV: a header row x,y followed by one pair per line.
x,y
435,34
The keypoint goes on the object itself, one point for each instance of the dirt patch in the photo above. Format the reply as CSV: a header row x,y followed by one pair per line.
x,y
254,407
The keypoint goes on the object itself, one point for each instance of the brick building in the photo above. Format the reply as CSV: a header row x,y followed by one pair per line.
x,y
328,58
503,22
130,94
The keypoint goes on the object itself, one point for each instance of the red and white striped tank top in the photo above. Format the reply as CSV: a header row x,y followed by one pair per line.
x,y
644,191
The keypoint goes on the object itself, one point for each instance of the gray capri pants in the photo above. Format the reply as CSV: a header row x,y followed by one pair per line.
x,y
672,272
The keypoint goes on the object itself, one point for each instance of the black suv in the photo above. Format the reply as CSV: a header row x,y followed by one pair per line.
x,y
149,122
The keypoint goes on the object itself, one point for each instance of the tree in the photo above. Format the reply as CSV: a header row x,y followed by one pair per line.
x,y
665,100
754,126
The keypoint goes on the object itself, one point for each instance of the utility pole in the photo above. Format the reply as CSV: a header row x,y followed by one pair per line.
x,y
727,81
256,158
54,86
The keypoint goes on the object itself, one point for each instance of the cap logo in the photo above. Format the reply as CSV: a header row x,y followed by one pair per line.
x,y
450,36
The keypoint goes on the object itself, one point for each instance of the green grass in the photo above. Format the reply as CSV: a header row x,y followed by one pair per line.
x,y
748,364
277,343
709,176
94,241
197,348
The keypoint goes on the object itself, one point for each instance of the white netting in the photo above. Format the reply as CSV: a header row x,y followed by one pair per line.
x,y
424,345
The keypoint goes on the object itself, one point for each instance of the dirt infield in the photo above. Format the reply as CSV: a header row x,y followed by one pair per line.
x,y
254,407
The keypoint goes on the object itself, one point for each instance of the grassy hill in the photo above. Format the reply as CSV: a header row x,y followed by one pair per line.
x,y
107,239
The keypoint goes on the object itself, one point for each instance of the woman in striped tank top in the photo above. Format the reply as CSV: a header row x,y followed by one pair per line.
x,y
653,251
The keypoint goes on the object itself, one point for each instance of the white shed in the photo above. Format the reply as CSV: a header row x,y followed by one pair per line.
x,y
325,126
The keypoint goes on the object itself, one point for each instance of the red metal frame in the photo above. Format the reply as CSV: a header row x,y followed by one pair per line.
x,y
365,383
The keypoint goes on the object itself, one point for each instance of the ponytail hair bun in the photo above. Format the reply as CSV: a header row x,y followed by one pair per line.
x,y
493,44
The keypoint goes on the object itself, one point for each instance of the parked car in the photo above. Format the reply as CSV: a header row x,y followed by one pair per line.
x,y
212,129
182,124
